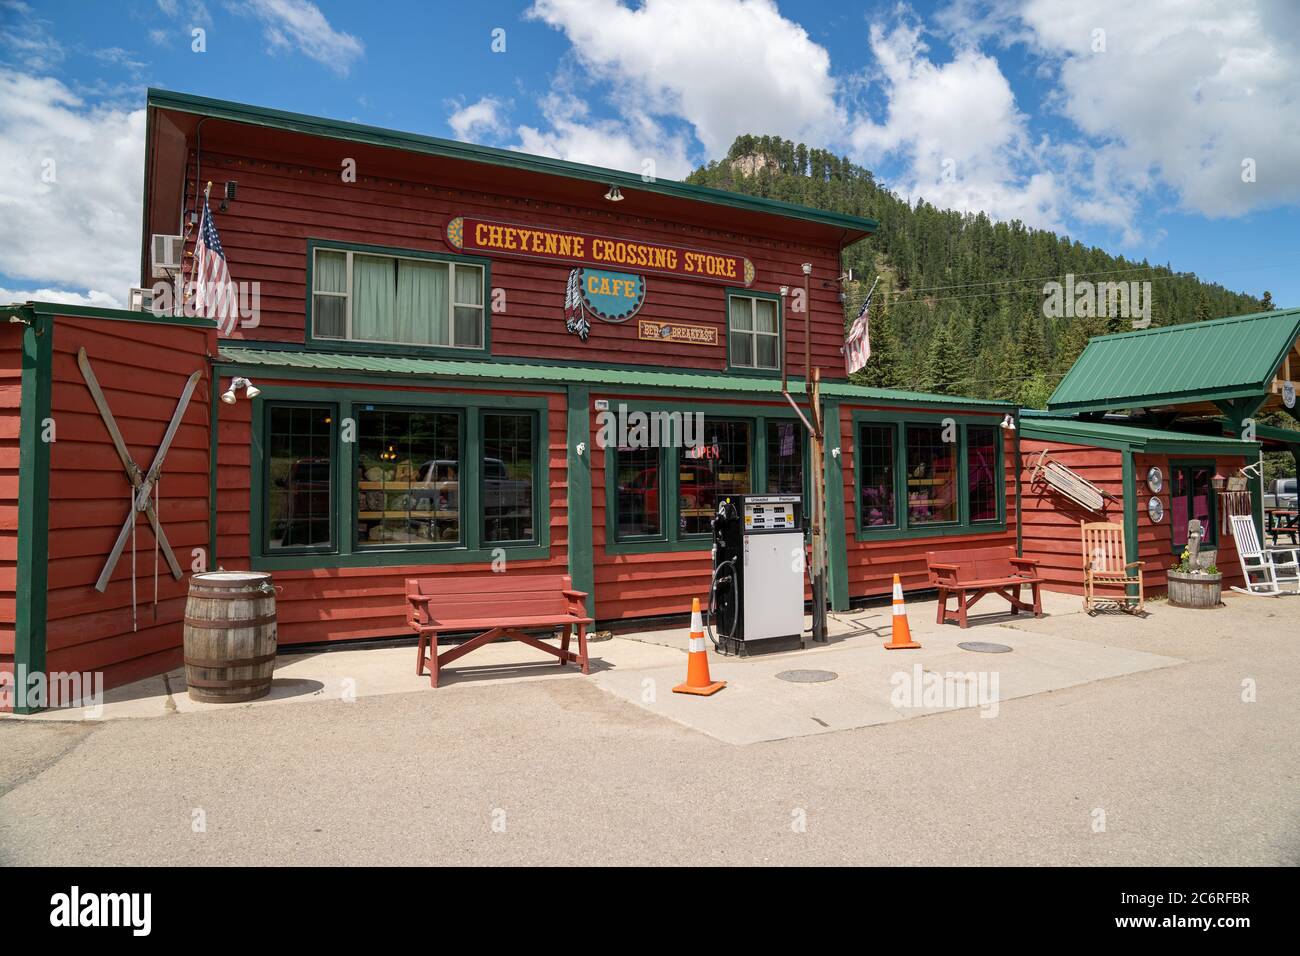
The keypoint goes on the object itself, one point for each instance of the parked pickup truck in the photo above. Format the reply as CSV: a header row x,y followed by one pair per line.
x,y
1281,493
437,489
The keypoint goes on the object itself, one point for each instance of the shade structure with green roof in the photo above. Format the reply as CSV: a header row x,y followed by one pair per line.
x,y
1192,367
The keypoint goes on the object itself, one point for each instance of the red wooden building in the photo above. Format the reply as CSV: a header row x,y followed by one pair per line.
x,y
437,335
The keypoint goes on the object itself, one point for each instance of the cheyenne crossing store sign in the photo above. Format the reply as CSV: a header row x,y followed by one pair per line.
x,y
555,245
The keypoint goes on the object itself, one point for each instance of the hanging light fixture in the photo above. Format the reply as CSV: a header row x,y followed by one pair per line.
x,y
614,195
250,390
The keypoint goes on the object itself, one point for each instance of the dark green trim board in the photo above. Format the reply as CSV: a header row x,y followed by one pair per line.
x,y
836,534
344,551
780,331
1020,466
33,502
1131,504
118,315
214,428
391,348
582,561
898,422
854,227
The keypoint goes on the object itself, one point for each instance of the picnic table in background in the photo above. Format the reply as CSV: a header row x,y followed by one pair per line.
x,y
1279,521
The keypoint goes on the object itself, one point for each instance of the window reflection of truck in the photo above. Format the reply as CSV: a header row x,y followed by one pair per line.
x,y
639,496
435,494
306,515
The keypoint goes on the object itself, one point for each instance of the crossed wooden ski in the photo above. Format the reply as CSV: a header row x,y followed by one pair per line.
x,y
143,483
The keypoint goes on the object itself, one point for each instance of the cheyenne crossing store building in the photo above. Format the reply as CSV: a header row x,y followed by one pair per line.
x,y
418,388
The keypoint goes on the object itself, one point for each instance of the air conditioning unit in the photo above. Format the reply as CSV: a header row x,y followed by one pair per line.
x,y
141,300
166,253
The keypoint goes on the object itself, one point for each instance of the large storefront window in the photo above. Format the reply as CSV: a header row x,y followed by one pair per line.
x,y
1191,495
784,458
508,463
876,462
717,467
299,478
931,476
454,482
408,478
982,471
397,300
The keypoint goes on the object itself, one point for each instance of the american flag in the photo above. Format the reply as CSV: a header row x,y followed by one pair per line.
x,y
215,296
857,344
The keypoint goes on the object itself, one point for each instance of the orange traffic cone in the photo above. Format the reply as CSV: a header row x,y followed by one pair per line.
x,y
901,638
697,661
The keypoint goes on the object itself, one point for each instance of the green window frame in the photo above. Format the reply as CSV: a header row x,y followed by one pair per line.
x,y
345,404
670,536
348,342
1184,468
896,425
271,485
735,363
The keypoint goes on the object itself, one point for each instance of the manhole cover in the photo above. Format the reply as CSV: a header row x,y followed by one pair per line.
x,y
984,647
807,676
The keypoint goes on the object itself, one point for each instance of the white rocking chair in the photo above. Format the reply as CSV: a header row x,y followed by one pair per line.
x,y
1274,565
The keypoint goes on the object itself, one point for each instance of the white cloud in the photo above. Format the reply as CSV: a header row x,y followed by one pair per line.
x,y
81,230
100,300
479,121
956,129
628,143
28,39
1184,91
299,24
726,67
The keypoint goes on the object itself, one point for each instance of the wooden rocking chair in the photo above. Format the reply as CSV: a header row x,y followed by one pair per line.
x,y
1103,563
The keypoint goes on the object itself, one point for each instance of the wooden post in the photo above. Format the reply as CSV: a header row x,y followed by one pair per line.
x,y
817,455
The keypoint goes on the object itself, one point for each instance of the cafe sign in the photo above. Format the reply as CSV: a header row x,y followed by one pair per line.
x,y
518,240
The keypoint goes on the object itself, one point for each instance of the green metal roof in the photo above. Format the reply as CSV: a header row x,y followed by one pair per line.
x,y
335,364
1110,434
434,146
1221,359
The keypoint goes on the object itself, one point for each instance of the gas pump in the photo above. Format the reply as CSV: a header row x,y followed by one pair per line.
x,y
758,571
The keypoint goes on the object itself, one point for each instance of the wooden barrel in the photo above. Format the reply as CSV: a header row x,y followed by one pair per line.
x,y
1195,590
230,636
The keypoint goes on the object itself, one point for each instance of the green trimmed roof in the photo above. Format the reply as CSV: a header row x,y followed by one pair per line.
x,y
1111,434
434,146
1221,359
334,363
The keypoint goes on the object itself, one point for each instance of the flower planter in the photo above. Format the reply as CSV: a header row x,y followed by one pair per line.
x,y
1195,590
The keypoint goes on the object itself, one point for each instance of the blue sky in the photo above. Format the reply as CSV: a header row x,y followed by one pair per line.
x,y
1167,129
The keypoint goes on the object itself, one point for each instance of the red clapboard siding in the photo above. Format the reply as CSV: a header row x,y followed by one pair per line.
x,y
142,368
1051,521
336,604
281,206
873,564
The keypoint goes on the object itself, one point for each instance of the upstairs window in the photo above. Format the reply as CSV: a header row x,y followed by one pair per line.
x,y
753,333
396,300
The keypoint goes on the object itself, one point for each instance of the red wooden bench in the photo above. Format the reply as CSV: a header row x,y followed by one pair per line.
x,y
975,572
499,605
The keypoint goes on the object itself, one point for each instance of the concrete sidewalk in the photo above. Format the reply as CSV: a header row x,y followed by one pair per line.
x,y
871,686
